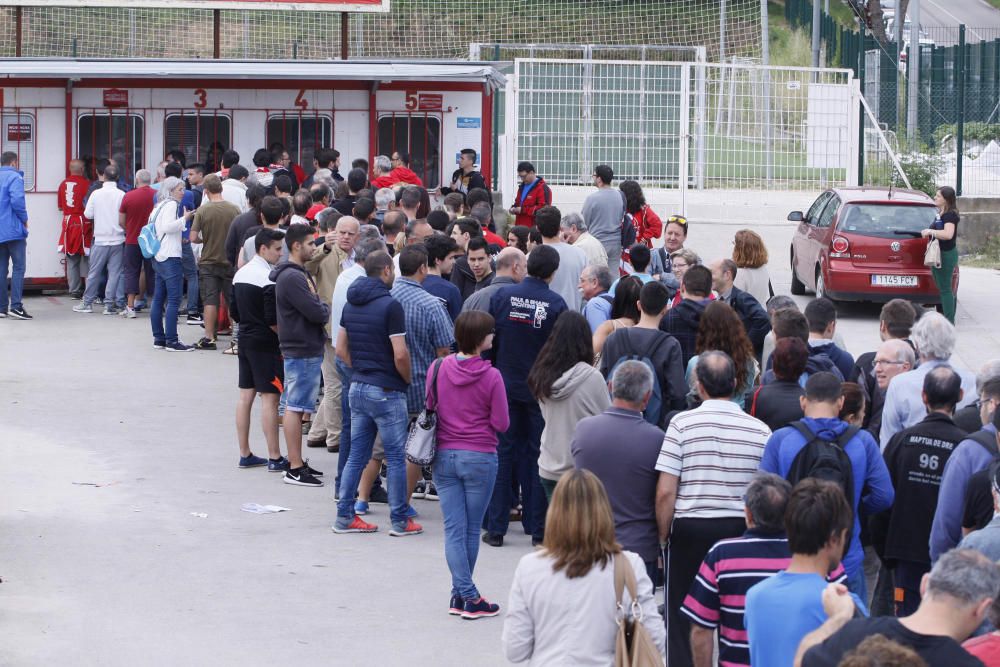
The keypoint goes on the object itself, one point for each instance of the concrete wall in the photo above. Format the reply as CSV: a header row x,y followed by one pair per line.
x,y
980,223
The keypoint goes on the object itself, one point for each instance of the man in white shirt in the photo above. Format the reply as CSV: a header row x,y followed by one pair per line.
x,y
572,261
234,188
573,229
108,251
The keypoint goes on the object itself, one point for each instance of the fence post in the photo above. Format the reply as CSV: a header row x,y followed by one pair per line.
x,y
913,79
684,127
960,134
861,111
815,35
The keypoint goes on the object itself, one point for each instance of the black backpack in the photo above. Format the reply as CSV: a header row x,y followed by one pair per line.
x,y
988,440
824,459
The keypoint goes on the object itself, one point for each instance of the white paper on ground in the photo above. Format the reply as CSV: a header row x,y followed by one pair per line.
x,y
255,508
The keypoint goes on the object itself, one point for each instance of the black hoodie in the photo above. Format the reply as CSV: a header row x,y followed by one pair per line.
x,y
681,322
301,313
463,278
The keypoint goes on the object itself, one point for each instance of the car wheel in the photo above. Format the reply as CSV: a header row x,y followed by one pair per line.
x,y
820,284
798,287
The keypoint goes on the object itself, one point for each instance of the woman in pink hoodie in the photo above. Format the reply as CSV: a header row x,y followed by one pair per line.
x,y
471,406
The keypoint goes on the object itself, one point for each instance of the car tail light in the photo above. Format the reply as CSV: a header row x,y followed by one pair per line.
x,y
840,247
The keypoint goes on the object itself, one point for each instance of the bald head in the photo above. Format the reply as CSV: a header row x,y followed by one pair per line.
x,y
893,357
512,263
417,231
347,233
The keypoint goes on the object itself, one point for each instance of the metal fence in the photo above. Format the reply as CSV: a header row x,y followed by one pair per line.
x,y
687,125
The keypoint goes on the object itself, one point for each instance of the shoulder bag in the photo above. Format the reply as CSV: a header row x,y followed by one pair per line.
x,y
932,256
421,442
633,645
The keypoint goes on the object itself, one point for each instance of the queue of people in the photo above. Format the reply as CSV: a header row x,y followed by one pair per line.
x,y
625,405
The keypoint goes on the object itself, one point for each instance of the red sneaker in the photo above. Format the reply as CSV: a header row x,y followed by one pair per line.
x,y
411,528
358,525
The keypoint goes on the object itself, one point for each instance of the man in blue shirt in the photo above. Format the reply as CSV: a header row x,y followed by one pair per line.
x,y
595,285
429,333
525,314
871,485
441,253
783,609
934,337
13,235
372,341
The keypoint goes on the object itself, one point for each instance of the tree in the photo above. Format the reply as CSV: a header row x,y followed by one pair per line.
x,y
876,20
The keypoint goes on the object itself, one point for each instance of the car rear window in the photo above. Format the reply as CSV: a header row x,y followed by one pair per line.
x,y
887,220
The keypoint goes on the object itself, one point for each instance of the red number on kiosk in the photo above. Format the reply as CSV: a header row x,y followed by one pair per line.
x,y
411,101
301,101
202,98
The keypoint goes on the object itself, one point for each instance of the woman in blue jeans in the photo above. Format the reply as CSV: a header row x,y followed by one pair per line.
x,y
167,265
465,467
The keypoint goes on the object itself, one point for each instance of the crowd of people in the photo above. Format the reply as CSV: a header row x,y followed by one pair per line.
x,y
616,397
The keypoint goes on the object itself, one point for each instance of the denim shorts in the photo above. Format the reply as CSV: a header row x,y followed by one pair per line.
x,y
302,380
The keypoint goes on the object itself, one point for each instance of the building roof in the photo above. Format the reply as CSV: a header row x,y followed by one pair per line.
x,y
354,70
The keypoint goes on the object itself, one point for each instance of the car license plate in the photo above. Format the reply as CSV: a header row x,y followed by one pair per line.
x,y
893,281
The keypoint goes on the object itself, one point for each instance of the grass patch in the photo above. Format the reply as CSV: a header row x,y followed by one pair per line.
x,y
789,48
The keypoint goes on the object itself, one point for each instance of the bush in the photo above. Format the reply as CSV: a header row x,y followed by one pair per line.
x,y
922,170
974,132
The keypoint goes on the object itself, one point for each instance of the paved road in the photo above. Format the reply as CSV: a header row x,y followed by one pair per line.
x,y
124,574
941,19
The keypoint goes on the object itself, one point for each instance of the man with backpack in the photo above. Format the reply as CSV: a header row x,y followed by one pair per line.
x,y
595,281
659,351
824,446
708,457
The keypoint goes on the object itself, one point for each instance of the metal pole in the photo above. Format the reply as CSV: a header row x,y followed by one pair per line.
x,y
722,31
345,35
216,33
913,77
861,111
897,36
765,59
960,134
18,25
815,34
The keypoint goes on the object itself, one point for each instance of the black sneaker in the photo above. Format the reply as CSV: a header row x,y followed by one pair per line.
x,y
431,492
312,471
456,606
194,320
480,608
301,477
204,344
493,540
379,495
19,314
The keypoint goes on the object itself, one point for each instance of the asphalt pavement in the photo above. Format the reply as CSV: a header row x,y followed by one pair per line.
x,y
112,452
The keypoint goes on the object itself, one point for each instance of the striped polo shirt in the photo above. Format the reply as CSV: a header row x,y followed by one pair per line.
x,y
714,449
719,591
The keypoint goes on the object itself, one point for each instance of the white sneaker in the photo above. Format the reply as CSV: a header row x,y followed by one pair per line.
x,y
82,308
109,311
128,313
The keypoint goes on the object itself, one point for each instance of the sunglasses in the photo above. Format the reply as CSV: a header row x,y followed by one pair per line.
x,y
678,220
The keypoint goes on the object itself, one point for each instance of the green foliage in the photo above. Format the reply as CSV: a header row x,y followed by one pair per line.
x,y
922,170
974,132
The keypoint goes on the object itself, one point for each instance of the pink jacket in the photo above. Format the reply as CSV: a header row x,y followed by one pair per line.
x,y
471,406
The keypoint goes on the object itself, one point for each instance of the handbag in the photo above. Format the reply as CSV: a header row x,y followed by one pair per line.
x,y
421,441
633,645
932,256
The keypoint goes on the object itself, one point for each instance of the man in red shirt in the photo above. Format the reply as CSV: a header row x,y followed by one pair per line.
x,y
532,195
77,232
133,215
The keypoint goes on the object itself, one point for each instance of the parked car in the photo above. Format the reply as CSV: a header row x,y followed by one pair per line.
x,y
863,244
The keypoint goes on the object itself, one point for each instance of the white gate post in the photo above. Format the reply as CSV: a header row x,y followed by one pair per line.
x,y
684,134
854,144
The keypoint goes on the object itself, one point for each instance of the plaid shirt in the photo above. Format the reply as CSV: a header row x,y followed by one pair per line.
x,y
428,328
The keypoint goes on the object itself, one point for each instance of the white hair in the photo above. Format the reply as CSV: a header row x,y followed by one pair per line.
x,y
383,164
573,219
631,381
934,336
384,197
168,186
324,176
989,371
143,176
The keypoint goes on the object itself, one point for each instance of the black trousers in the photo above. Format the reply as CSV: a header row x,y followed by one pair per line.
x,y
690,540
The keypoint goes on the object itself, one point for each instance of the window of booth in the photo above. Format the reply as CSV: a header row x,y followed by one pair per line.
x,y
117,135
301,135
420,136
201,137
19,137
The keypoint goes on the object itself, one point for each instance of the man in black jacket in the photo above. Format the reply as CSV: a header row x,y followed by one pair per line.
x,y
474,270
751,313
682,320
301,316
465,177
916,458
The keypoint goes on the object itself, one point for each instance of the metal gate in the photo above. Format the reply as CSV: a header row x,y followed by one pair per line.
x,y
685,125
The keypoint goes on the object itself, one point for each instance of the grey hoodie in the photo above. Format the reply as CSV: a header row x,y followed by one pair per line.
x,y
578,393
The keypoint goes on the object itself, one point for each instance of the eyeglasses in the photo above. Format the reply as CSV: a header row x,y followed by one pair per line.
x,y
886,362
678,265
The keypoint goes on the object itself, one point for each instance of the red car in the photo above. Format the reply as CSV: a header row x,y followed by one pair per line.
x,y
863,244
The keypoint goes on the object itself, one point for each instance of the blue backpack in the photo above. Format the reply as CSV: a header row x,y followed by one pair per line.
x,y
654,409
149,243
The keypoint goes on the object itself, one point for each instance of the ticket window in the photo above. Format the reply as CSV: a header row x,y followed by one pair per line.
x,y
203,138
19,137
420,136
301,136
116,135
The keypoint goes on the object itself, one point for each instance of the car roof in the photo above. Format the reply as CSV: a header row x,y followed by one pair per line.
x,y
880,195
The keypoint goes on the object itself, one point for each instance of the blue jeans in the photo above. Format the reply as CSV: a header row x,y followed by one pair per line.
x,y
302,378
168,288
857,585
12,252
464,481
191,275
374,409
518,449
345,372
